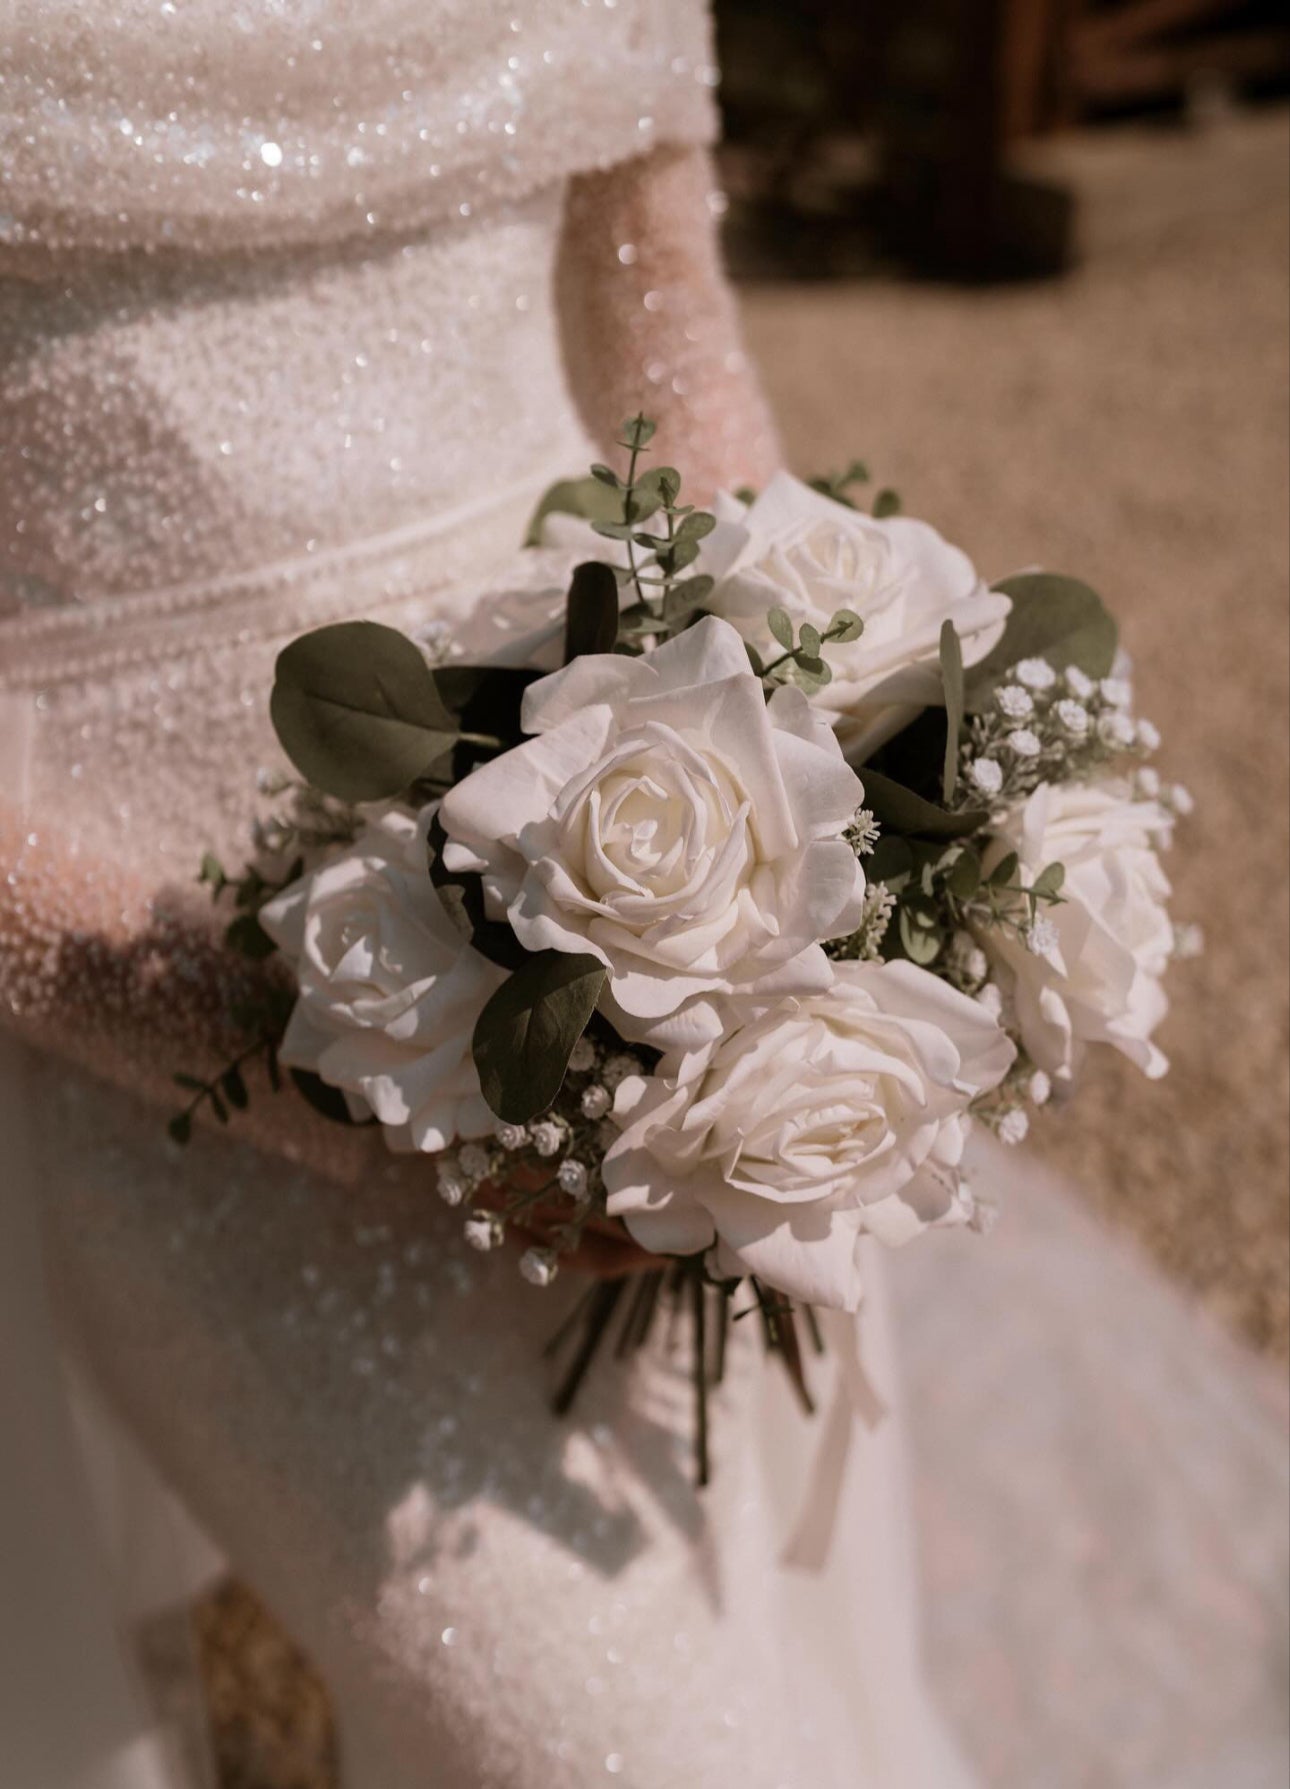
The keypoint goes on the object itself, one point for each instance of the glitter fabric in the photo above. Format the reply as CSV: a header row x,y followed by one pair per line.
x,y
288,332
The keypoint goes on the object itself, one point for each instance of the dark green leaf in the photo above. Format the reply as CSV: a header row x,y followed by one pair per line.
x,y
965,876
357,710
190,1083
462,895
527,1030
180,1128
605,475
755,659
886,503
327,1100
638,431
591,617
919,933
696,526
890,861
1049,880
217,1106
591,499
1003,872
485,699
781,626
810,639
233,1087
952,678
1053,618
898,809
248,937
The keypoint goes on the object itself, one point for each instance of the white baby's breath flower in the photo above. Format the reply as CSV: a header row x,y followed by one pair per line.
x,y
1041,937
595,1102
1024,743
482,1231
582,1057
1036,674
511,1136
666,819
1114,728
1073,717
539,1266
474,1160
572,1177
1181,800
1118,691
1189,942
985,775
547,1136
1039,1089
1014,702
781,1144
1013,1127
1147,782
1148,736
453,1184
617,1069
1078,682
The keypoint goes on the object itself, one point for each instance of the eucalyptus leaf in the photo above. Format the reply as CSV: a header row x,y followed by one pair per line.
x,y
1049,880
1003,872
886,503
638,431
965,876
591,499
233,1086
357,710
180,1128
781,626
697,526
891,860
1054,618
919,933
810,639
899,810
845,626
591,616
952,678
527,1030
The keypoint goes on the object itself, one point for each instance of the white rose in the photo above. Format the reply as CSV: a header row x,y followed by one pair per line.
x,y
832,1117
389,989
1098,978
804,552
669,821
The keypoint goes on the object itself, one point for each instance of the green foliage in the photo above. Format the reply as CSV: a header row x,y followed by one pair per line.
x,y
1054,618
886,503
900,810
593,499
462,895
358,711
952,678
803,656
526,1032
591,615
838,484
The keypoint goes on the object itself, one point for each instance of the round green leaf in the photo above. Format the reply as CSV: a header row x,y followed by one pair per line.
x,y
357,711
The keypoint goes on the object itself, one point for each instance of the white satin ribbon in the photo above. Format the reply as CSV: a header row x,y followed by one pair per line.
x,y
855,1400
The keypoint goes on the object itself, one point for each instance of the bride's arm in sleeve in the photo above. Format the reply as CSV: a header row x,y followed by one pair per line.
x,y
650,322
135,984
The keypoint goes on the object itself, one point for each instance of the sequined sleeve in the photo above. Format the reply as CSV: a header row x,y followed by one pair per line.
x,y
200,126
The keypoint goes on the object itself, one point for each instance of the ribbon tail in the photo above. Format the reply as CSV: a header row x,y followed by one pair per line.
x,y
855,1399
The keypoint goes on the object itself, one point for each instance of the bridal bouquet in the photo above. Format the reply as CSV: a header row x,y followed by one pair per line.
x,y
712,905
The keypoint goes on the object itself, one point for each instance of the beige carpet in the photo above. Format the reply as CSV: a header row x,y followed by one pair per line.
x,y
1128,424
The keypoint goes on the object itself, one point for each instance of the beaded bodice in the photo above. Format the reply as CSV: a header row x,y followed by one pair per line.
x,y
279,342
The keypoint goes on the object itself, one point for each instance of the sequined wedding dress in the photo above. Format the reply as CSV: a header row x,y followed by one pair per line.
x,y
279,344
